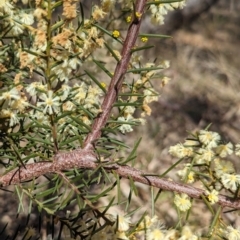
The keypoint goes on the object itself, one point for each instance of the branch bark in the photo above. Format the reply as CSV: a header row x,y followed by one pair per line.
x,y
86,159
117,78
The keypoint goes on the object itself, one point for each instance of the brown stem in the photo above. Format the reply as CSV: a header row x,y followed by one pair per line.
x,y
162,183
85,159
62,161
117,78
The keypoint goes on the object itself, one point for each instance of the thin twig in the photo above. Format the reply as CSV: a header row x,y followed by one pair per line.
x,y
117,78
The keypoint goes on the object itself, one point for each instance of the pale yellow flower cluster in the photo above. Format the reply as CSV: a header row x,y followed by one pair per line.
x,y
181,151
100,12
50,58
123,229
209,139
182,202
88,97
108,5
118,230
148,93
232,233
154,229
186,174
126,124
70,9
15,20
149,229
212,196
160,10
13,102
205,154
